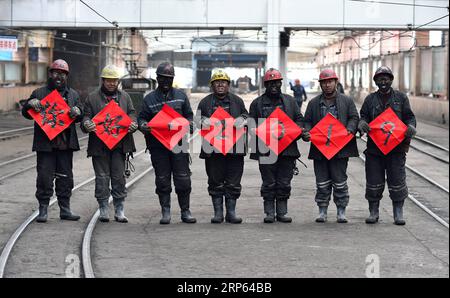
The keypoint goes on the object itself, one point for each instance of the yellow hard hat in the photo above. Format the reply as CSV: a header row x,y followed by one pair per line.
x,y
219,74
110,72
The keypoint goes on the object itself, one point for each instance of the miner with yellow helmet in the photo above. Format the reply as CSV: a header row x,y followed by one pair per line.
x,y
109,164
224,171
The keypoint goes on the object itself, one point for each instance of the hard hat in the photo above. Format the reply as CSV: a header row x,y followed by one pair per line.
x,y
272,74
60,64
383,70
219,74
327,74
110,72
165,69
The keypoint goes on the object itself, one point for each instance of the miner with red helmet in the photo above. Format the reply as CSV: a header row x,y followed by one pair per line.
x,y
276,174
299,93
392,165
54,157
331,175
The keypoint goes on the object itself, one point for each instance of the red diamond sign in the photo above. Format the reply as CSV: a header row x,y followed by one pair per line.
x,y
222,134
169,127
112,124
278,131
387,131
54,115
329,135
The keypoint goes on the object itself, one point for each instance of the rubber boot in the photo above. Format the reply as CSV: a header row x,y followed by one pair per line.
x,y
269,210
119,214
218,210
322,214
374,207
341,214
282,211
398,213
103,206
231,211
186,216
164,201
65,212
43,213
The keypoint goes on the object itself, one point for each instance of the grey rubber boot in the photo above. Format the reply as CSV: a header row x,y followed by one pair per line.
x,y
281,206
398,213
119,214
269,210
231,217
103,206
43,213
164,201
218,209
65,212
341,214
186,216
322,214
374,207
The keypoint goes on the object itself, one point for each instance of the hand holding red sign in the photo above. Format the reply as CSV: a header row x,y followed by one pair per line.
x,y
168,126
278,131
111,124
329,135
53,117
387,131
222,134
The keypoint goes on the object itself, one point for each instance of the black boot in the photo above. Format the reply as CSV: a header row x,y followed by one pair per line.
x,y
119,214
281,211
398,213
65,213
322,214
42,217
218,210
374,207
164,201
103,207
231,211
341,214
269,210
186,216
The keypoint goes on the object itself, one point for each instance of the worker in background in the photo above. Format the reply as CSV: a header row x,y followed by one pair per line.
x,y
299,93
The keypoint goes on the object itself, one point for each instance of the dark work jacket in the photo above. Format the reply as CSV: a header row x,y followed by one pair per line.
x,y
347,115
154,102
40,140
237,109
95,102
290,108
373,106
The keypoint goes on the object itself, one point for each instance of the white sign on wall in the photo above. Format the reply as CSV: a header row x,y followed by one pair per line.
x,y
8,43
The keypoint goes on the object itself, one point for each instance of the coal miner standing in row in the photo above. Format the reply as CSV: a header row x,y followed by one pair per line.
x,y
166,162
109,164
224,171
54,157
331,175
277,174
390,166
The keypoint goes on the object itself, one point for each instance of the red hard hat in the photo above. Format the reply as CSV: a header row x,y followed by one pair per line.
x,y
327,74
272,74
60,65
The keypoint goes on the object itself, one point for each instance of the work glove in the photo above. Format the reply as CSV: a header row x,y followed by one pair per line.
x,y
35,104
240,122
306,136
144,128
74,112
410,132
133,127
363,127
89,125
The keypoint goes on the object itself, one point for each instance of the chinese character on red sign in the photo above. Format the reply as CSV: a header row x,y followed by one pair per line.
x,y
54,115
278,131
111,124
222,134
169,127
387,131
329,135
